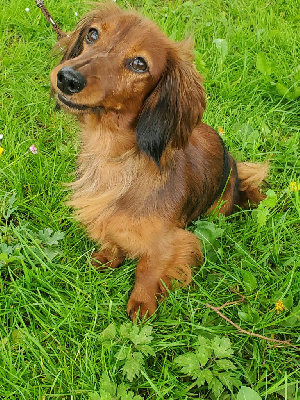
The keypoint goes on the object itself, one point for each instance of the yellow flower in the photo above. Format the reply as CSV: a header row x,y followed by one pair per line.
x,y
279,306
294,186
221,130
1,150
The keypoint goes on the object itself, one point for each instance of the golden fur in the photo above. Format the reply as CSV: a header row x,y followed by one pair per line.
x,y
148,166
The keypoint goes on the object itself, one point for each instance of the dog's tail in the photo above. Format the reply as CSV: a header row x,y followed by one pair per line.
x,y
251,175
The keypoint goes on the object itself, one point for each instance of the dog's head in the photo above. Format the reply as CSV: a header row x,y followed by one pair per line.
x,y
120,62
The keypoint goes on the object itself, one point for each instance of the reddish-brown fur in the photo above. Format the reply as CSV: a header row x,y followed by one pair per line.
x,y
148,166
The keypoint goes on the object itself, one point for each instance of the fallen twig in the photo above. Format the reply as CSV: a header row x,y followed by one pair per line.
x,y
231,303
216,309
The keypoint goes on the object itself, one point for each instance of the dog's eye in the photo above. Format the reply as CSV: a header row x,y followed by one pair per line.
x,y
137,64
92,36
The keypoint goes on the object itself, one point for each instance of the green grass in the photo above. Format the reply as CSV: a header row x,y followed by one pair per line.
x,y
63,329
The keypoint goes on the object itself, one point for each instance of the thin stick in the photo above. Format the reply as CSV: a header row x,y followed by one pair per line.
x,y
216,309
231,303
49,18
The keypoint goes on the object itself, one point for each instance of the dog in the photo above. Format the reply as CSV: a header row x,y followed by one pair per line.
x,y
148,165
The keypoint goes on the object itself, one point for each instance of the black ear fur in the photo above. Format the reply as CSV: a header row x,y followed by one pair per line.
x,y
72,48
154,129
171,111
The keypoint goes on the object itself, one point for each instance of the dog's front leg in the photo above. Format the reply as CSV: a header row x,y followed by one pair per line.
x,y
110,256
163,262
143,300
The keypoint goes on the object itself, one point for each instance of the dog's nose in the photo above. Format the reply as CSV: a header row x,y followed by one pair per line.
x,y
70,81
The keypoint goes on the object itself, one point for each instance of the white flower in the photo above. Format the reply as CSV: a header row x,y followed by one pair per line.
x,y
33,149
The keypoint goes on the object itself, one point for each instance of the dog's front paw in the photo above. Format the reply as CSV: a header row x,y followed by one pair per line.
x,y
141,306
102,261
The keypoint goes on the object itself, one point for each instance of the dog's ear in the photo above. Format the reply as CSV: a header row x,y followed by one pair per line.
x,y
71,45
172,110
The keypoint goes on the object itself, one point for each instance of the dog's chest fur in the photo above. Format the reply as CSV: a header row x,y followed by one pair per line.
x,y
109,167
101,182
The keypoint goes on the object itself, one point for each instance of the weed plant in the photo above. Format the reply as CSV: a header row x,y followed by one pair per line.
x,y
64,333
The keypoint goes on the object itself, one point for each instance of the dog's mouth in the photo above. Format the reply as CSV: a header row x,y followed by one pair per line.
x,y
76,107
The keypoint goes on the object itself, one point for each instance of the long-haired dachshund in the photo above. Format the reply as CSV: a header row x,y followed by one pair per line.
x,y
148,166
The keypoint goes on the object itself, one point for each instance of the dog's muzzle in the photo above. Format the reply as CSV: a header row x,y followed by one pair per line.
x,y
70,81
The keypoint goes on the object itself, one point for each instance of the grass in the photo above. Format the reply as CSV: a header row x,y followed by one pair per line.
x,y
63,329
